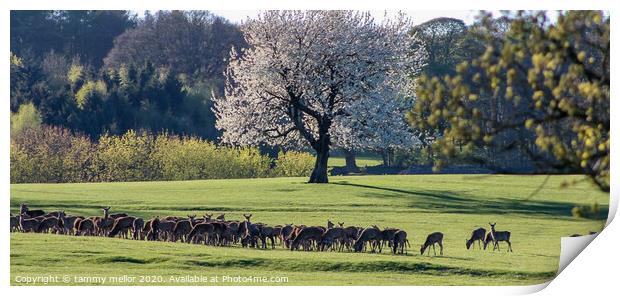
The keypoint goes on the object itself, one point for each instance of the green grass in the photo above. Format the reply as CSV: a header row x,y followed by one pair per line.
x,y
420,204
361,161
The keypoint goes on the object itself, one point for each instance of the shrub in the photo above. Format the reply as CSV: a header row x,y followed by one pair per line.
x,y
125,158
50,155
294,164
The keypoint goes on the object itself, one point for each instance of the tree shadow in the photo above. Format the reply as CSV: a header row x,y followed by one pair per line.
x,y
451,202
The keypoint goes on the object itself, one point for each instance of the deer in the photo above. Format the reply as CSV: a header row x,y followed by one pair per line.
x,y
247,217
68,222
351,235
285,233
51,223
387,236
333,235
207,217
431,240
137,227
121,226
182,228
151,229
476,235
103,224
23,209
203,231
267,232
14,223
28,224
221,217
399,240
330,224
498,236
369,234
165,229
306,236
84,227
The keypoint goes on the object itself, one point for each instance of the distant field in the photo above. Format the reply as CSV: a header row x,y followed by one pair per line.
x,y
420,204
361,161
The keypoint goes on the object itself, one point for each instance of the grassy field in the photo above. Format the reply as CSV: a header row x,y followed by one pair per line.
x,y
420,204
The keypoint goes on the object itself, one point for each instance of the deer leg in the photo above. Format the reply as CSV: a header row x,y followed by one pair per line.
x,y
434,252
509,246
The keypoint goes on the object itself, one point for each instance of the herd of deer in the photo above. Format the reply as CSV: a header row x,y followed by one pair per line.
x,y
220,232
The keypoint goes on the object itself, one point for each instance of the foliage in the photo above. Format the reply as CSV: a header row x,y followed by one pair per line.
x,y
194,44
87,34
56,155
294,163
309,78
50,155
540,88
27,117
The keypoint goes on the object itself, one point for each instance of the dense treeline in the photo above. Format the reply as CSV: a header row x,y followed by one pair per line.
x,y
56,155
110,71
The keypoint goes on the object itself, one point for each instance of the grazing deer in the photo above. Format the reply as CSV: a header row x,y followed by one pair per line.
x,y
371,234
23,209
476,235
499,236
306,236
285,233
221,217
431,240
267,232
14,223
387,236
399,240
200,232
333,238
28,224
182,228
85,227
51,223
151,229
165,229
137,227
122,226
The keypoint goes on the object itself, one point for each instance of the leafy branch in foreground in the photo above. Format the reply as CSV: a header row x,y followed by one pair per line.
x,y
540,87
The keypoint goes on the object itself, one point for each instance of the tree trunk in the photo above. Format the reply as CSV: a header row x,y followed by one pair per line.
x,y
319,174
349,158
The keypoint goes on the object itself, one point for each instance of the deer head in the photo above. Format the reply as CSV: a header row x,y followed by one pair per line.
x,y
247,217
341,224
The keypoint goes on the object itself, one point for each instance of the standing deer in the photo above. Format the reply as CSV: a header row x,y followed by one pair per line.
x,y
498,236
51,223
476,235
371,234
200,232
28,224
431,240
306,236
138,226
23,209
122,226
182,228
332,238
221,217
400,240
330,225
14,223
84,227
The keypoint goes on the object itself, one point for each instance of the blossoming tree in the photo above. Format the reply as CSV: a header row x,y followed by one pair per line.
x,y
317,79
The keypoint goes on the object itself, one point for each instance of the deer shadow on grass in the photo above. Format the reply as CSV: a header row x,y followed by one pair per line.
x,y
452,202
